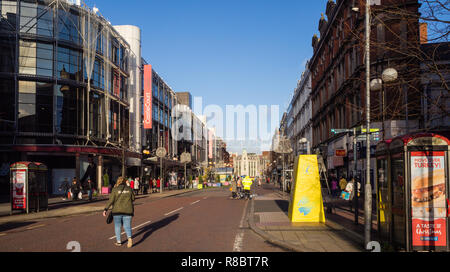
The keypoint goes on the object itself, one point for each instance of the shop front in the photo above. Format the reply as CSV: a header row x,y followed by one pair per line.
x,y
413,191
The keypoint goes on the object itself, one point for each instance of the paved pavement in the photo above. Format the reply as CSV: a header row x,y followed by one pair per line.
x,y
270,220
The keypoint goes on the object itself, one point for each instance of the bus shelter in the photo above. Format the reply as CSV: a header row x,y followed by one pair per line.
x,y
412,192
29,190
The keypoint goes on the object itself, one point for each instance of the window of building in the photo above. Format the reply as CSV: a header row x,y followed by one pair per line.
x,y
123,88
67,113
95,114
35,107
7,104
8,11
68,26
69,64
98,75
27,58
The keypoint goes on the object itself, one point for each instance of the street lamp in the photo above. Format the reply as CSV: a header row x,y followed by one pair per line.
x,y
305,141
389,75
368,186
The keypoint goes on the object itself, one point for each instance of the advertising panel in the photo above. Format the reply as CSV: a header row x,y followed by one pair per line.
x,y
148,97
428,199
19,189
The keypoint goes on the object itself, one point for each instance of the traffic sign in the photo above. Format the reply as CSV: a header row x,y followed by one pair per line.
x,y
373,137
339,131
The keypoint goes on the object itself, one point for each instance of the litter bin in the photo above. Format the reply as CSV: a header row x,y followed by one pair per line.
x,y
29,190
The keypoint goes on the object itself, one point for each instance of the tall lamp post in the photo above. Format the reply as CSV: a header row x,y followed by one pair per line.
x,y
161,153
368,189
185,158
368,186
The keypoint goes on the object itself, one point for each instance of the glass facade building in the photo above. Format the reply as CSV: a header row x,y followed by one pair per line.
x,y
63,83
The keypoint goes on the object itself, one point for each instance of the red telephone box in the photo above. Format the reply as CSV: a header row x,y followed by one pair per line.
x,y
28,187
413,192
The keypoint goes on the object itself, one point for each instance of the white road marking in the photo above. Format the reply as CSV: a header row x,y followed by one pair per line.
x,y
195,202
174,211
239,240
146,223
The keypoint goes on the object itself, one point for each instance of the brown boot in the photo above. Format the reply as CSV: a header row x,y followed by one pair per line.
x,y
130,243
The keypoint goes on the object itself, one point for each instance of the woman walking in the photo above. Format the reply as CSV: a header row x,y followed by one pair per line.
x,y
121,199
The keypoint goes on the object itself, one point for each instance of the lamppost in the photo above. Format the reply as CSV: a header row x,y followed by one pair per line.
x,y
161,153
185,158
305,141
389,75
368,186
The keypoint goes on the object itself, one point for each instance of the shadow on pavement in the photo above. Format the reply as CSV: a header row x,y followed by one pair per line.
x,y
283,205
14,225
148,230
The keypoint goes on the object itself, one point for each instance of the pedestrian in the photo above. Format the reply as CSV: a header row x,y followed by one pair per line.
x,y
334,187
75,189
154,185
233,189
137,185
121,199
90,188
247,183
343,183
239,185
130,183
158,184
352,185
65,187
146,185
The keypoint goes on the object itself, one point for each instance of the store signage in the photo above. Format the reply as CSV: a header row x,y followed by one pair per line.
x,y
428,199
148,97
341,153
19,190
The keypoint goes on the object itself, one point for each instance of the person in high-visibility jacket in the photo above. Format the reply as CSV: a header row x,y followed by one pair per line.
x,y
247,183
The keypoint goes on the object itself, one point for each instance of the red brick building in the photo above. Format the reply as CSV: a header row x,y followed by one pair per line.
x,y
338,72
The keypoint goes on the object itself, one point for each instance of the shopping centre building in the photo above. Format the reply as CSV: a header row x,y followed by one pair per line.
x,y
64,76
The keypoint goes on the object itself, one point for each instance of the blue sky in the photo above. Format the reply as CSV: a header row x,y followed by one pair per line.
x,y
249,52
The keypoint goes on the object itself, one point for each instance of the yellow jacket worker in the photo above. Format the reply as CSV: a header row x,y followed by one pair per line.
x,y
247,183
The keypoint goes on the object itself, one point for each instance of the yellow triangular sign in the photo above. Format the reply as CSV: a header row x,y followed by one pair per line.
x,y
306,194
